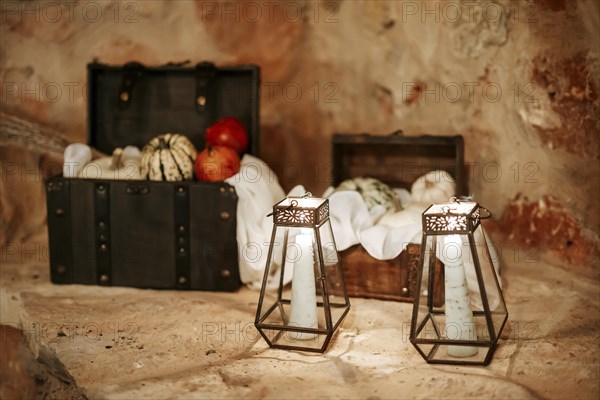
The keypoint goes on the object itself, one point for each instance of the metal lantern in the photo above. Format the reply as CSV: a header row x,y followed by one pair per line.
x,y
305,315
463,325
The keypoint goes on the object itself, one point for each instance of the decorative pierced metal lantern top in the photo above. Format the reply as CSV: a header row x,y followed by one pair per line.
x,y
453,217
301,211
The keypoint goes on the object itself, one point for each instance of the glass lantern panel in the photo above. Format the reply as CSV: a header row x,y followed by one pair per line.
x,y
448,354
426,305
333,285
463,317
425,349
296,304
296,340
489,261
269,311
458,314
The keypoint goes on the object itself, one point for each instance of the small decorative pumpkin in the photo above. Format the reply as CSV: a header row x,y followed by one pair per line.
x,y
373,192
433,187
114,167
168,157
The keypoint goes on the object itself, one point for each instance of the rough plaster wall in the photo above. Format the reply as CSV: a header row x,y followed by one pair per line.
x,y
519,80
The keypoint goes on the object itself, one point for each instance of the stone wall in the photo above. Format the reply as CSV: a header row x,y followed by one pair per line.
x,y
518,79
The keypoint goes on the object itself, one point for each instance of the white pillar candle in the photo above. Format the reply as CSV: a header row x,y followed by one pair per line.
x,y
459,316
303,307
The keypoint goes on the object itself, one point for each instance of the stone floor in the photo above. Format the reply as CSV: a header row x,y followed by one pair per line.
x,y
123,343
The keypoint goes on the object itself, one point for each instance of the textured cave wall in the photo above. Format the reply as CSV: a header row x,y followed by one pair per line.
x,y
519,80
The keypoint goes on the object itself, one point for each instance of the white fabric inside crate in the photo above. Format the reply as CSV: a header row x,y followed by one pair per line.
x,y
353,224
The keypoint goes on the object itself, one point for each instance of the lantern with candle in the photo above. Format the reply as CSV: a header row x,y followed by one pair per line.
x,y
306,315
463,328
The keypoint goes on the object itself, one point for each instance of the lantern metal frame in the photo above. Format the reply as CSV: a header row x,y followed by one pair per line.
x,y
455,218
312,213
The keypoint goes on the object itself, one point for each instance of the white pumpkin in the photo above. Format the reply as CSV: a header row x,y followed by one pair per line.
x,y
114,167
434,187
373,192
168,157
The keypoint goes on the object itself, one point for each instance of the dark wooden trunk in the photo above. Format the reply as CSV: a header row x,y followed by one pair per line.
x,y
167,235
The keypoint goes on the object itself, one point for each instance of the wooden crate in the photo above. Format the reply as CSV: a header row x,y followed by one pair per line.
x,y
398,161
394,279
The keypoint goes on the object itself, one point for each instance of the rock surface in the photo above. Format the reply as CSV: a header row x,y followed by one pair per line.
x,y
122,343
518,79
